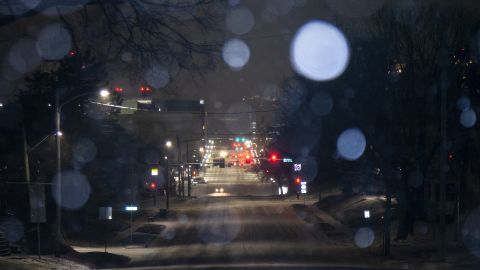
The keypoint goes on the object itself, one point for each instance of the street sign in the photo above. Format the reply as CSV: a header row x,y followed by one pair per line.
x,y
303,187
297,167
287,160
366,214
37,203
131,208
105,213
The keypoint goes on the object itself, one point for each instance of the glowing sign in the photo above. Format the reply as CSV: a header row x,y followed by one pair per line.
x,y
297,167
131,208
303,187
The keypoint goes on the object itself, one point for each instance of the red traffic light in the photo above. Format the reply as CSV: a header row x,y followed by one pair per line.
x,y
297,181
152,185
273,157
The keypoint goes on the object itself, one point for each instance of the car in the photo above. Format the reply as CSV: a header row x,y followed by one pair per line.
x,y
199,180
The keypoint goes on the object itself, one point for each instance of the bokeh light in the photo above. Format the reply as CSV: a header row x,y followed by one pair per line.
x,y
319,51
157,76
364,237
23,56
239,20
84,150
463,103
351,144
54,42
13,228
235,53
468,118
75,190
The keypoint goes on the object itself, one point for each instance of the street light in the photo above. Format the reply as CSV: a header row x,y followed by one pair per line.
x,y
168,144
104,93
58,111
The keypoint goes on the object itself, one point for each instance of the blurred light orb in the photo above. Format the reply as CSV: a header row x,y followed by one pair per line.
x,y
364,237
239,20
319,51
75,190
463,103
157,76
321,104
53,42
168,233
13,228
468,118
84,150
235,53
23,56
351,144
9,73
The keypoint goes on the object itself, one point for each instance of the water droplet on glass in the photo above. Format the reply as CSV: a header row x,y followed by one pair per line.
x,y
53,42
75,190
157,76
13,228
463,103
235,53
84,151
351,144
319,51
468,118
239,20
364,237
23,56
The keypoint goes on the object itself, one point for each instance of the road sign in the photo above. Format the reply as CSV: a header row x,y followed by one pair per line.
x,y
297,167
303,187
37,203
131,208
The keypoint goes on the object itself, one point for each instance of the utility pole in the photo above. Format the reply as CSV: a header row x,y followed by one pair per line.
x,y
188,173
25,154
59,175
442,173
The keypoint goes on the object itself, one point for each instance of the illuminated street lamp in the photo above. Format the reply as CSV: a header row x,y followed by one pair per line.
x,y
58,191
168,144
104,93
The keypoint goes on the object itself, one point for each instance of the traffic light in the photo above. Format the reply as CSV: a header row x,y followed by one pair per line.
x,y
152,186
298,180
273,157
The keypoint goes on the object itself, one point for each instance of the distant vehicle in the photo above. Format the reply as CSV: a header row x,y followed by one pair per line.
x,y
199,180
220,162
